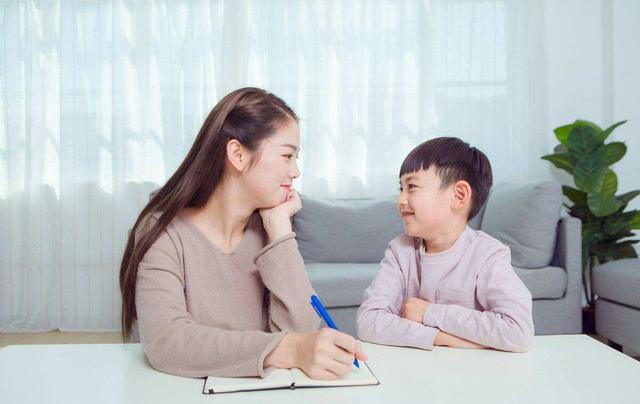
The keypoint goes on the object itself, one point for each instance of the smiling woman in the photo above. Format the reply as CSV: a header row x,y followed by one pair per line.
x,y
212,271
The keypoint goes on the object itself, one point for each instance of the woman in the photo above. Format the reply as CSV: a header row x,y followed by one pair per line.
x,y
212,271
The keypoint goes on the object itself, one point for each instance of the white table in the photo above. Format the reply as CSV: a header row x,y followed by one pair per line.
x,y
558,369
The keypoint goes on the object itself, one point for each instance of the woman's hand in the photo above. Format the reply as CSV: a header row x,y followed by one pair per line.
x,y
444,339
277,220
328,354
324,354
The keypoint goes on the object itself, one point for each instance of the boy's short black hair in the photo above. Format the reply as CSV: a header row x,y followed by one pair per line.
x,y
454,160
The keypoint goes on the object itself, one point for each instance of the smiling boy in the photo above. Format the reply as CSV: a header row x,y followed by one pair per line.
x,y
442,283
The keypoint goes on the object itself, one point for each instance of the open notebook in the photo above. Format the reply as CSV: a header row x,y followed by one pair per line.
x,y
287,379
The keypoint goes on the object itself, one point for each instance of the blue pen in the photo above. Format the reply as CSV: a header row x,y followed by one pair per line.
x,y
324,314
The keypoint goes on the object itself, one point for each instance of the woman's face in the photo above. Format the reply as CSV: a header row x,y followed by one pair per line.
x,y
271,175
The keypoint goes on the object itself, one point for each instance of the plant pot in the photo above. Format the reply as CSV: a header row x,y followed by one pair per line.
x,y
588,320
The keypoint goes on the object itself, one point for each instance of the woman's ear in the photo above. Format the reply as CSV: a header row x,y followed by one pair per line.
x,y
238,155
462,195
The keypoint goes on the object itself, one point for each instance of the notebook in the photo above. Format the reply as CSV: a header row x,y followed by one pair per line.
x,y
287,379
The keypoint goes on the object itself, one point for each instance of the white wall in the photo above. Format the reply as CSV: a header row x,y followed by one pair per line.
x,y
574,61
593,72
625,97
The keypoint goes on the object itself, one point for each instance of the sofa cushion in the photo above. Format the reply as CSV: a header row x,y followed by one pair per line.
x,y
544,283
348,231
618,281
525,218
342,285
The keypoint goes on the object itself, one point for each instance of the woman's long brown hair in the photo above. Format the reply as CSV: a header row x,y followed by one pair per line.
x,y
248,115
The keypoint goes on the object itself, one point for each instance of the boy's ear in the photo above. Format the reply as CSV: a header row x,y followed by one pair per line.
x,y
461,194
238,155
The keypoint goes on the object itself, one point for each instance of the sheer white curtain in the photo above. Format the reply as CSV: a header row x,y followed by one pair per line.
x,y
99,102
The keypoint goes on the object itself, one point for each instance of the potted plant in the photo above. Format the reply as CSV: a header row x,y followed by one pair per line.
x,y
606,226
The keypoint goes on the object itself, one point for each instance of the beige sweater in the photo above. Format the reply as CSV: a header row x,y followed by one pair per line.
x,y
202,312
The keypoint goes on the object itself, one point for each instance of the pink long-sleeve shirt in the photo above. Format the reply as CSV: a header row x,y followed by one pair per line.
x,y
472,287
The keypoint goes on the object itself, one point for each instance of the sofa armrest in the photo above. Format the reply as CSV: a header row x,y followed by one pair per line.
x,y
568,255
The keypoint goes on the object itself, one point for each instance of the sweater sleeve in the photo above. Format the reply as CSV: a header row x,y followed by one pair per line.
x,y
282,270
506,322
379,319
173,341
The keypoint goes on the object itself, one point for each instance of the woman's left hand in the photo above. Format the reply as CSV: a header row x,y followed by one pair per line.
x,y
277,220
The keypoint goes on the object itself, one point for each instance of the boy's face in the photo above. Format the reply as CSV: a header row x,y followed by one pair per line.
x,y
426,210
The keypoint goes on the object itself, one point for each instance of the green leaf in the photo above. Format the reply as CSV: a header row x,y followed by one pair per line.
x,y
560,148
635,222
618,223
561,160
628,252
615,237
582,212
608,242
613,152
583,141
610,184
575,195
582,122
605,134
626,198
602,205
562,133
589,174
623,249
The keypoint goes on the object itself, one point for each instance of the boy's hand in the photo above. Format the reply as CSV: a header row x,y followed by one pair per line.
x,y
414,309
444,339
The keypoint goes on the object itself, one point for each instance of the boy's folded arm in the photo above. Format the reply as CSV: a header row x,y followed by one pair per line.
x,y
378,317
381,326
506,323
450,340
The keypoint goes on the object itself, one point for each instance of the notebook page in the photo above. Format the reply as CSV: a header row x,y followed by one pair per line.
x,y
358,377
278,378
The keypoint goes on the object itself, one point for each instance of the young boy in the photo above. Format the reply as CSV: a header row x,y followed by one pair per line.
x,y
443,283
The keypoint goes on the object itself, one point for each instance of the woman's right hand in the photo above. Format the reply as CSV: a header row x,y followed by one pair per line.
x,y
277,220
328,354
324,354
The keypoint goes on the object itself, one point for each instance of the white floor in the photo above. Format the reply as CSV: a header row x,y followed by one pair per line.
x,y
57,337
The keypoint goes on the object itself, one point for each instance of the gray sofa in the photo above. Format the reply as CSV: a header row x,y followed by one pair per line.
x,y
617,285
343,241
